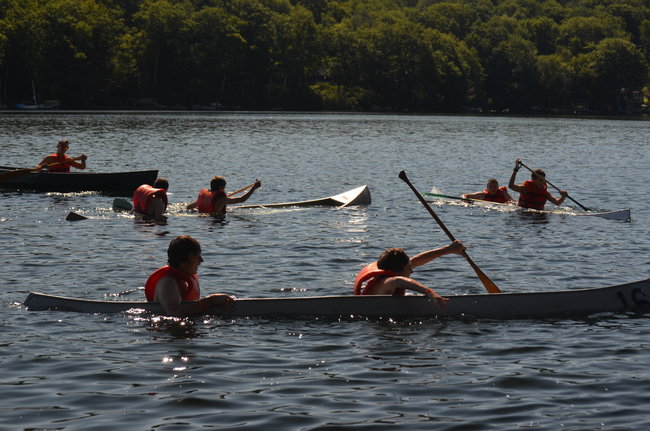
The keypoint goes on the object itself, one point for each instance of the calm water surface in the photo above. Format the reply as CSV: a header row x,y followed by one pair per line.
x,y
70,371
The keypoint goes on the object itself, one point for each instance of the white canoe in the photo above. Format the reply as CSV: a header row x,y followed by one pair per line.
x,y
630,297
622,214
357,196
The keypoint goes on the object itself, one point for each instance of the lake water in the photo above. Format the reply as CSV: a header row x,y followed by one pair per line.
x,y
71,371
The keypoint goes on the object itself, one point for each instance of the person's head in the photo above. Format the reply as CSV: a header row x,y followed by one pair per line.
x,y
538,176
161,183
183,251
217,183
396,260
492,186
62,146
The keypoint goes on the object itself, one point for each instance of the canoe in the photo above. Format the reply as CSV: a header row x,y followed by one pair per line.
x,y
357,196
629,297
114,183
621,214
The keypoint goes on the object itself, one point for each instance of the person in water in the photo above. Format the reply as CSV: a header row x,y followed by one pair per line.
x,y
215,200
533,193
391,273
176,286
151,201
492,193
59,161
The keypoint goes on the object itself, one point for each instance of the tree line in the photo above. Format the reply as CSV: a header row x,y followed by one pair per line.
x,y
386,55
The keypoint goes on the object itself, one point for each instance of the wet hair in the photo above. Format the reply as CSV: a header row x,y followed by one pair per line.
x,y
217,182
539,172
161,183
393,259
180,249
64,142
490,180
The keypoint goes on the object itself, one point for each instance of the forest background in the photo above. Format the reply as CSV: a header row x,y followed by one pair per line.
x,y
519,56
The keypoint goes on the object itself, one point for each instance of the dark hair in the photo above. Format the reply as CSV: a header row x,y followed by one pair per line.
x,y
217,182
490,180
539,172
180,249
65,142
161,183
393,259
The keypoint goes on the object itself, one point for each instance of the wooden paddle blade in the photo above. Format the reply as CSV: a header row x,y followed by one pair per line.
x,y
487,283
17,173
75,217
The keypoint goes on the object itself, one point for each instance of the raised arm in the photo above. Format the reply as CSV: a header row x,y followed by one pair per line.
x,y
245,197
455,247
513,178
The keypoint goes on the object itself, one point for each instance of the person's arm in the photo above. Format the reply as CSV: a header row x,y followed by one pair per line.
x,y
169,297
193,205
557,201
477,195
509,198
43,164
81,164
244,198
414,285
513,178
456,247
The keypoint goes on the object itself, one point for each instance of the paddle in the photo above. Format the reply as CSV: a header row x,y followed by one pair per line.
x,y
17,173
556,188
75,217
241,190
487,283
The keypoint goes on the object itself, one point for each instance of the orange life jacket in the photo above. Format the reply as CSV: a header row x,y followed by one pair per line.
x,y
143,196
205,201
64,166
187,284
373,275
533,197
500,196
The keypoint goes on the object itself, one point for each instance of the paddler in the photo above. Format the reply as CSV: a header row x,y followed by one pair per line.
x,y
176,286
215,200
533,193
492,193
151,201
391,273
61,160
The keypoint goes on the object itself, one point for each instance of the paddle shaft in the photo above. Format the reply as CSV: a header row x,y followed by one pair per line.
x,y
487,283
241,190
556,188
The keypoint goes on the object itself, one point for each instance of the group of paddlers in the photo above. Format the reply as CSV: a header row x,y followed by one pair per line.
x,y
176,285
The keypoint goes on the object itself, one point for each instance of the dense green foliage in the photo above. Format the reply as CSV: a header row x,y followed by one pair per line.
x,y
396,55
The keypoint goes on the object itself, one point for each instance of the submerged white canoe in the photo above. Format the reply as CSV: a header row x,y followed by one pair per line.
x,y
357,196
622,214
627,297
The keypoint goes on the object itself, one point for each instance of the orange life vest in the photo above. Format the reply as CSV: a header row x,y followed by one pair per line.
x,y
205,201
500,196
533,197
64,166
372,275
143,196
187,284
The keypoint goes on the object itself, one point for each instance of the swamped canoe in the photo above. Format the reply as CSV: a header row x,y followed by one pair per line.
x,y
357,196
622,214
114,183
634,297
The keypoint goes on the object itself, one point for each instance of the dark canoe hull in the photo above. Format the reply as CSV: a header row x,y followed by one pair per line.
x,y
630,297
114,183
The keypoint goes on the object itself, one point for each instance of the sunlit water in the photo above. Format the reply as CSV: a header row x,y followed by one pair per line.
x,y
70,371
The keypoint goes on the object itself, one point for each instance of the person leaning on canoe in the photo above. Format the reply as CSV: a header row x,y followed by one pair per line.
x,y
533,193
59,161
492,193
391,273
214,201
151,201
176,286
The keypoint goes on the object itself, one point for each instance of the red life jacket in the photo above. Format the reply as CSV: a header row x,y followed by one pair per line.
x,y
500,196
187,284
373,275
60,167
205,201
533,197
143,196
